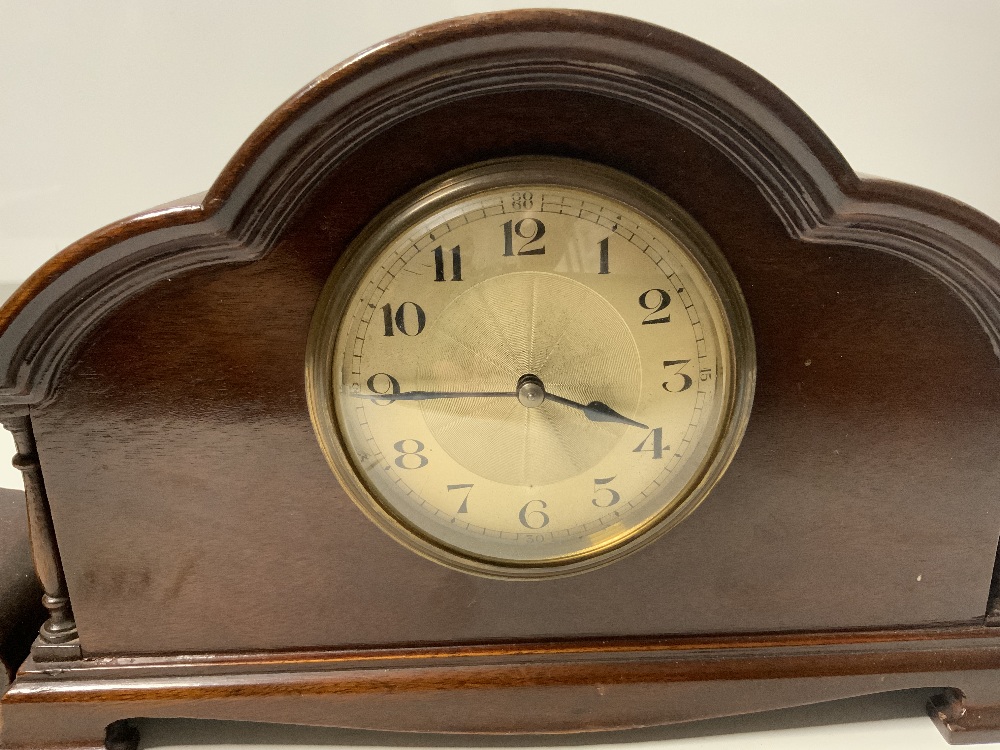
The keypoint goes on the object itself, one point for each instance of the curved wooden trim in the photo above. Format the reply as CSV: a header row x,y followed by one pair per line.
x,y
179,212
806,180
633,684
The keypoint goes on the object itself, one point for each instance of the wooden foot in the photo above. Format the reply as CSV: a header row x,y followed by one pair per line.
x,y
970,715
121,735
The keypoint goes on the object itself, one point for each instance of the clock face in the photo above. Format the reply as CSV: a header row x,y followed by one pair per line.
x,y
530,367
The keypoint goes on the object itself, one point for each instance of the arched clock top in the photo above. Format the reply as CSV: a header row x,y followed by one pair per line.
x,y
620,61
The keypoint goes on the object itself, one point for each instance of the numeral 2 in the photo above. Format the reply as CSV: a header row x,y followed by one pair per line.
x,y
647,301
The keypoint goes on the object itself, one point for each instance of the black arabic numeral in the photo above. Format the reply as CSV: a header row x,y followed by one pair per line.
x,y
405,454
529,230
604,256
391,389
647,302
519,201
456,264
533,519
686,380
464,507
657,447
605,502
400,319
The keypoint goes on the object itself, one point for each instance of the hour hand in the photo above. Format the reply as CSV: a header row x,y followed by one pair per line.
x,y
531,392
596,411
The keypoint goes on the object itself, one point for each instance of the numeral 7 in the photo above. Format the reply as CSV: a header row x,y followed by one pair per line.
x,y
464,507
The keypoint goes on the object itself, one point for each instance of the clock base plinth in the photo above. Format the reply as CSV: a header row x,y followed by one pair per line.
x,y
509,688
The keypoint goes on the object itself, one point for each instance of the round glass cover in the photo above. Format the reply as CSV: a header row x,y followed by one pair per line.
x,y
530,367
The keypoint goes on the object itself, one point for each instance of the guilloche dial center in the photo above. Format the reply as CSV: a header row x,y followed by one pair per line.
x,y
488,338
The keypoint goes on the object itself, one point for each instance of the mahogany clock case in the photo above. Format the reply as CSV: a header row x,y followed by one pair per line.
x,y
200,558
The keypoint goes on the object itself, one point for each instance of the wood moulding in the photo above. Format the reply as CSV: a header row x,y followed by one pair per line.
x,y
528,688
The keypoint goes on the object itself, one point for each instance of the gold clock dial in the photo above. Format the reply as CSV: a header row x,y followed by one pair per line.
x,y
530,368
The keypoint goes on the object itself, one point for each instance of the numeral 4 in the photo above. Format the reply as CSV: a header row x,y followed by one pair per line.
x,y
656,447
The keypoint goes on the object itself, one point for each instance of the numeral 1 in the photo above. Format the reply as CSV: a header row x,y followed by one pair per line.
x,y
604,256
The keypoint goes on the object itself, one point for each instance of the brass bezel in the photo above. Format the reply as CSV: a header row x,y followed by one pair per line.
x,y
437,194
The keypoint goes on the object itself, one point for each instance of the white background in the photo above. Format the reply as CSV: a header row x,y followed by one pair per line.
x,y
107,108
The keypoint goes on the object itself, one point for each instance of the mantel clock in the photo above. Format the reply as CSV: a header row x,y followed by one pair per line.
x,y
640,409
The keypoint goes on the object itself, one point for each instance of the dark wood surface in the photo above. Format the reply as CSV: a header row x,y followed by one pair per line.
x,y
161,362
182,425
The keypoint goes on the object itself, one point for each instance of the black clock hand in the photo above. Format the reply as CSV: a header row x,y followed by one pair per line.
x,y
426,395
595,411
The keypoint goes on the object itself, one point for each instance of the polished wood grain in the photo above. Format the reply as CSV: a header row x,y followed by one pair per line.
x,y
865,461
161,364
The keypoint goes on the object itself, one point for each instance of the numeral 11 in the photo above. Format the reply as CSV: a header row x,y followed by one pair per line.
x,y
456,264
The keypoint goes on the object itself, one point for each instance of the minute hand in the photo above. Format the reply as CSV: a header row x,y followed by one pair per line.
x,y
595,411
426,395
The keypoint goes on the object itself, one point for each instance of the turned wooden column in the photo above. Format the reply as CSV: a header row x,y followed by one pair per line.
x,y
60,627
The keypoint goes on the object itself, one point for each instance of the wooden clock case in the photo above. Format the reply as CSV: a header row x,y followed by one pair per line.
x,y
200,560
